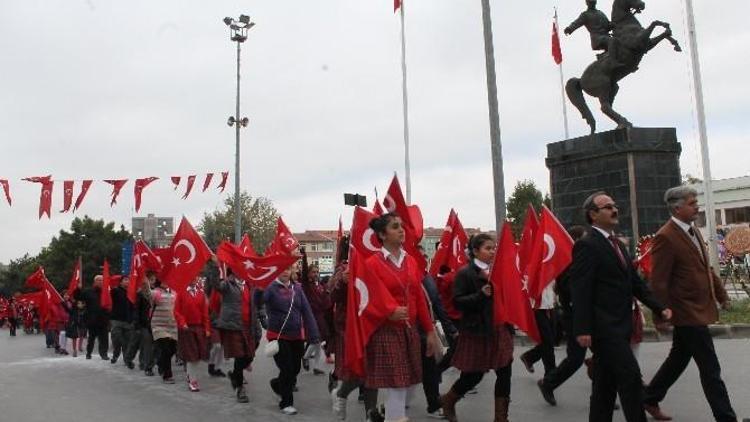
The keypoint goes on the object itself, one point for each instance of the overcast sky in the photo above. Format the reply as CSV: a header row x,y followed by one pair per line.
x,y
113,89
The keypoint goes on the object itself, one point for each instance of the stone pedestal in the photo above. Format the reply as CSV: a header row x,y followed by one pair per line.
x,y
635,166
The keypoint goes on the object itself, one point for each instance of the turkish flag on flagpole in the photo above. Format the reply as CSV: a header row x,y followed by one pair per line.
x,y
37,280
556,49
396,5
75,278
105,299
551,254
189,254
369,304
258,270
446,240
284,242
246,246
411,217
530,226
142,260
510,301
362,237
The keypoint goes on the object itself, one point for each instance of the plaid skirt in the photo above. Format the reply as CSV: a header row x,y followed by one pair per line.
x,y
215,336
481,353
192,344
393,357
237,344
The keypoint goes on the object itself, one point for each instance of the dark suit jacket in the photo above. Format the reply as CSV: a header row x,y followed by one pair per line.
x,y
682,278
603,289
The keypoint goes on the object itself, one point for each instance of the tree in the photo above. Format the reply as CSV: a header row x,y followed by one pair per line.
x,y
524,193
92,240
258,220
689,179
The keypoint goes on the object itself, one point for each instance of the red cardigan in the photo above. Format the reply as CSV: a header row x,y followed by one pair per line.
x,y
405,285
191,309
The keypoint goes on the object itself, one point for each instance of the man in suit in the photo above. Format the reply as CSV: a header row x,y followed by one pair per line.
x,y
682,278
603,284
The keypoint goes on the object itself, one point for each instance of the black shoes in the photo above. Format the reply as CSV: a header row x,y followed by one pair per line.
x,y
149,372
130,365
547,393
88,355
529,366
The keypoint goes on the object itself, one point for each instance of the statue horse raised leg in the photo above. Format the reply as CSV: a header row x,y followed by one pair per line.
x,y
600,78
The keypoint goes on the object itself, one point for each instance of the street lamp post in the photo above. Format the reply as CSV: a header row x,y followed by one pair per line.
x,y
238,33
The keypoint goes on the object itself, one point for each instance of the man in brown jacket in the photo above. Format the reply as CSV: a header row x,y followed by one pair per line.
x,y
683,280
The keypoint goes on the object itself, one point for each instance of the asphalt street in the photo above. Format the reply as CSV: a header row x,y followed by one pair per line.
x,y
37,385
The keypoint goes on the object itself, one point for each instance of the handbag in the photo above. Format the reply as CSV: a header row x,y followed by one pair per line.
x,y
272,347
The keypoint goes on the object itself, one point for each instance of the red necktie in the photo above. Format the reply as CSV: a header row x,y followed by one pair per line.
x,y
613,240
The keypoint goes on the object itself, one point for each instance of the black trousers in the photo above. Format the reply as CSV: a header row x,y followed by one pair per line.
x,y
13,323
546,350
289,362
616,371
430,379
572,362
469,380
100,334
238,375
165,348
693,343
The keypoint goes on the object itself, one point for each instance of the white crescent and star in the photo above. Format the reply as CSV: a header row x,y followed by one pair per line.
x,y
367,240
389,203
364,295
271,270
189,246
248,265
550,247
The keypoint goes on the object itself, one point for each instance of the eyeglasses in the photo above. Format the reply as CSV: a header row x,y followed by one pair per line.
x,y
610,207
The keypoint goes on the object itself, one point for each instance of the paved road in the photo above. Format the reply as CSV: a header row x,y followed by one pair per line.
x,y
37,385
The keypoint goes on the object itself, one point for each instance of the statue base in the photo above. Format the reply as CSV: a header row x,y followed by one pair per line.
x,y
635,166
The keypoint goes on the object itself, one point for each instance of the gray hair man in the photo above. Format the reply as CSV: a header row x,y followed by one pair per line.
x,y
683,279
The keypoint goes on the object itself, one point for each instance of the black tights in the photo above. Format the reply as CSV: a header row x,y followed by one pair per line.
x,y
469,380
371,395
238,377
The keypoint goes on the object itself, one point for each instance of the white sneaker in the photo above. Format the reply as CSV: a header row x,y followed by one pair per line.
x,y
289,410
438,414
339,408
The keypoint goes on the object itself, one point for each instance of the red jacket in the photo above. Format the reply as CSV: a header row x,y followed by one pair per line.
x,y
405,285
191,309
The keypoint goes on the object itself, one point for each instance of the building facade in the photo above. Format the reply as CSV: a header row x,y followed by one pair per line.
x,y
320,247
731,203
157,232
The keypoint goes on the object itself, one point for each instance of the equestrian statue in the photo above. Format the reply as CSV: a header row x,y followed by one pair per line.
x,y
623,42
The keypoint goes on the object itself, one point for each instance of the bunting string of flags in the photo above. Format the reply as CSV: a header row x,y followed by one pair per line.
x,y
47,184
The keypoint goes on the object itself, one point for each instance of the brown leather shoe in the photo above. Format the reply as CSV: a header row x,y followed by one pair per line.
x,y
448,402
655,411
501,409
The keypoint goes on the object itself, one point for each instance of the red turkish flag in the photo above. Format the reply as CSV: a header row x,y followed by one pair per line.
x,y
258,270
207,181
45,197
37,280
85,185
645,261
6,189
284,242
116,188
396,5
67,195
142,260
446,241
176,181
369,304
190,183
457,257
377,209
189,255
141,184
223,184
510,301
363,238
75,278
551,254
105,299
246,246
530,226
556,49
411,217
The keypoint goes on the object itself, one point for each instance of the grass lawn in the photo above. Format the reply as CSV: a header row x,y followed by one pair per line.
x,y
738,314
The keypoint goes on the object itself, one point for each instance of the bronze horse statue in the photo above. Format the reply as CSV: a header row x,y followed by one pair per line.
x,y
600,78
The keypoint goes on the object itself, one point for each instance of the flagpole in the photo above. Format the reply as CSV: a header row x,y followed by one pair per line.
x,y
562,84
703,136
405,97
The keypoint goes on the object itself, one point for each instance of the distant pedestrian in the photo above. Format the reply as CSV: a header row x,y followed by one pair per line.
x,y
164,328
97,319
194,329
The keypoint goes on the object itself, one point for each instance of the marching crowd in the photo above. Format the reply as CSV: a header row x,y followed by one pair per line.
x,y
433,323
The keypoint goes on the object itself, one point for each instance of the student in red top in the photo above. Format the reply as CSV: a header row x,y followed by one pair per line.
x,y
193,329
393,359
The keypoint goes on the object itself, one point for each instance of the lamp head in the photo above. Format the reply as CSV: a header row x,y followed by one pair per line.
x,y
230,121
228,21
245,19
